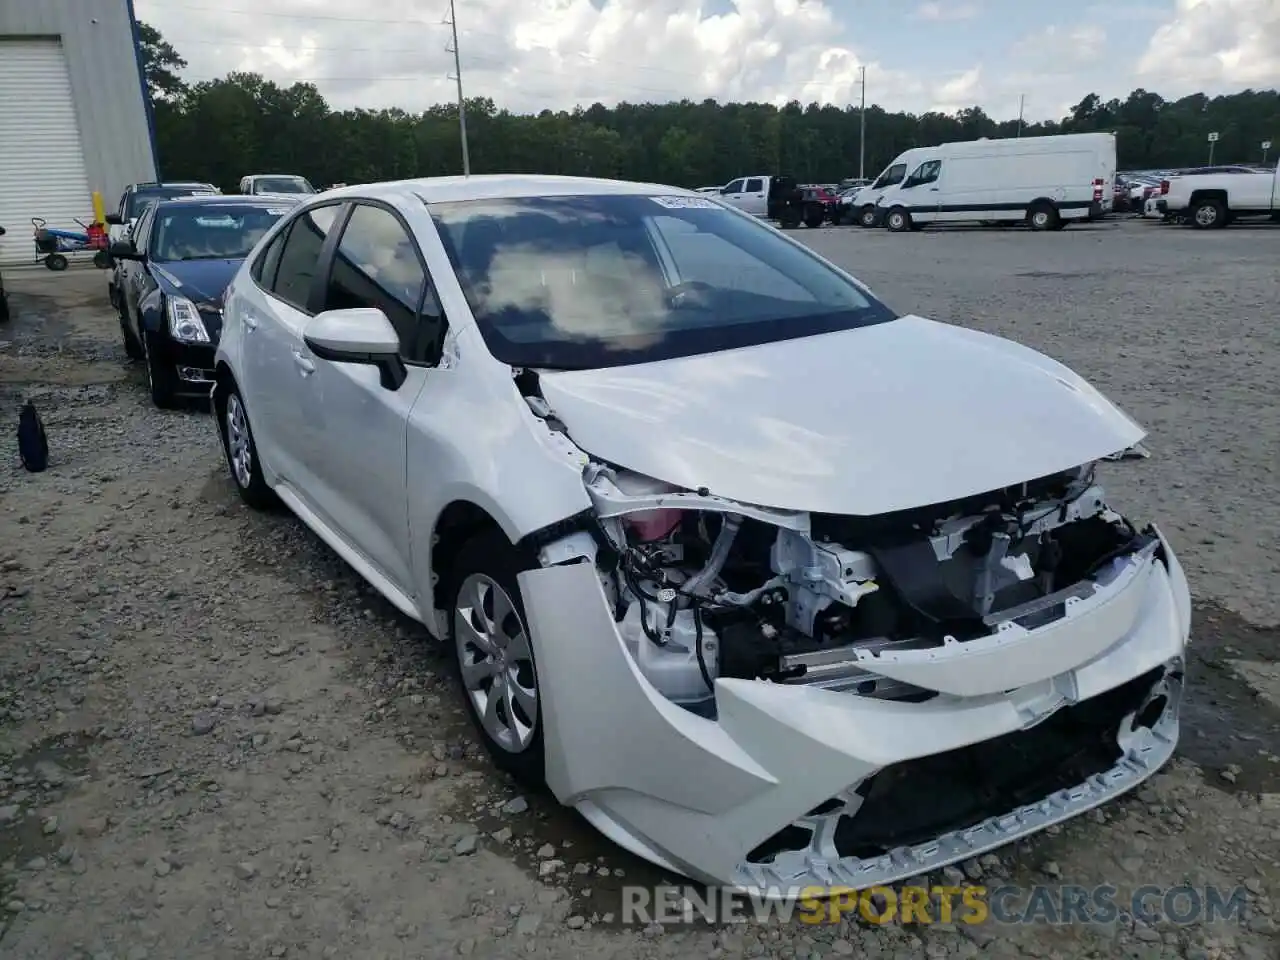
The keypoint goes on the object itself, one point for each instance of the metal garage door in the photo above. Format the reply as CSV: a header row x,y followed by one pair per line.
x,y
42,170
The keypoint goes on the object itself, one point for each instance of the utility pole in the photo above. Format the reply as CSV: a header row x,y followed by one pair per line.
x,y
462,106
862,125
1022,107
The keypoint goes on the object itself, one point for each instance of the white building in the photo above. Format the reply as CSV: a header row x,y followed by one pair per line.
x,y
74,116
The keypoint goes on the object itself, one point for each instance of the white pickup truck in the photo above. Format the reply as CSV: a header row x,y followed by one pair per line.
x,y
1208,200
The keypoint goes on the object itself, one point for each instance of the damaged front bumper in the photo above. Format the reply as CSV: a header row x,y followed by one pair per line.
x,y
792,786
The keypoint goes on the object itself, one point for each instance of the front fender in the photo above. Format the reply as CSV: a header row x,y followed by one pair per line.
x,y
151,312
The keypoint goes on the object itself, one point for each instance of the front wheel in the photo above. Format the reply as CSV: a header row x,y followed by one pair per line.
x,y
898,220
160,378
102,260
242,452
493,655
867,217
56,262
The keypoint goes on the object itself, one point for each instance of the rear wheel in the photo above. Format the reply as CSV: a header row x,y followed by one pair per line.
x,y
1042,216
1209,214
56,262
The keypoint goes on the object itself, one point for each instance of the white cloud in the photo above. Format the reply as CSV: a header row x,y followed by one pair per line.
x,y
1215,45
943,11
1060,49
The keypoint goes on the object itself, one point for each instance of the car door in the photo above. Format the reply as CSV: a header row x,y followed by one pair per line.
x,y
135,277
921,194
732,192
286,274
361,479
755,196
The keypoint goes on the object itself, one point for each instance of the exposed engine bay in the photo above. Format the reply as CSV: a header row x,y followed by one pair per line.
x,y
706,593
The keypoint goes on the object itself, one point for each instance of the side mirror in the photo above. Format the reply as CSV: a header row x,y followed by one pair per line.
x,y
114,220
360,335
125,251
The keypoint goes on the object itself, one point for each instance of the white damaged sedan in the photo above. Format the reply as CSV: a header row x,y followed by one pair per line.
x,y
776,587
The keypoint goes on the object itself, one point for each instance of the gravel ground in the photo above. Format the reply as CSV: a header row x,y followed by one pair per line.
x,y
216,742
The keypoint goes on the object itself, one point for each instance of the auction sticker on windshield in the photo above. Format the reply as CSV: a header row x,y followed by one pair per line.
x,y
685,203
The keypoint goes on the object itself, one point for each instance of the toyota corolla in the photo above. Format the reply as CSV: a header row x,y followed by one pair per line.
x,y
776,586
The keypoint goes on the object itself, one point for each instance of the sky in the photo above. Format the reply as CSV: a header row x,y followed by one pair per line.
x,y
919,55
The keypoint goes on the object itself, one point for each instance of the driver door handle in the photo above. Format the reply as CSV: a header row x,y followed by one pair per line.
x,y
250,322
305,366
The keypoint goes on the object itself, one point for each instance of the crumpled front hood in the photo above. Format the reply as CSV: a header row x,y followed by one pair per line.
x,y
867,421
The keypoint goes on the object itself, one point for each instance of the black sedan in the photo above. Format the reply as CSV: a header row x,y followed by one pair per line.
x,y
178,261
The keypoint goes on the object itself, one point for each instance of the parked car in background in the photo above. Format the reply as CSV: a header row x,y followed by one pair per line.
x,y
132,202
276,185
1212,200
177,262
748,194
852,183
824,199
750,637
864,205
709,189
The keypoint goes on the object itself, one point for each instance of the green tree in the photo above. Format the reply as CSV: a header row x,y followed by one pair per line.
x,y
161,65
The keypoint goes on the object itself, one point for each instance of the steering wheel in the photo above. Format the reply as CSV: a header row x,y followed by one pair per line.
x,y
676,294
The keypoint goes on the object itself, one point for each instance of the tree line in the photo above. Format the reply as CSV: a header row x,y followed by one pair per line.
x,y
220,130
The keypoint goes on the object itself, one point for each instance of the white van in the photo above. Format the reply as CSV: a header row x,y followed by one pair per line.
x,y
1045,182
864,203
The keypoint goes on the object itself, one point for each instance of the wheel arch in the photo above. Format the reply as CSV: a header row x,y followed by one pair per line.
x,y
1209,193
461,521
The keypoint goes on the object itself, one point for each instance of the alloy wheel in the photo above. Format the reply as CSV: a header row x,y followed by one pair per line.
x,y
496,662
238,444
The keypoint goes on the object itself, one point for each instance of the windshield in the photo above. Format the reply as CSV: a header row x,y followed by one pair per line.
x,y
222,232
138,200
893,175
597,281
282,185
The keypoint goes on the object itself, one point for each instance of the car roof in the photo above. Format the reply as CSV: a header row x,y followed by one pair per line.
x,y
220,200
163,184
499,186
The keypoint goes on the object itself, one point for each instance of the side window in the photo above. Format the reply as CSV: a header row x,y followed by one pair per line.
x,y
755,185
377,264
141,236
300,255
734,187
264,267
927,172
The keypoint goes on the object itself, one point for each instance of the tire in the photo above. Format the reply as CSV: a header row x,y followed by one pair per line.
x,y
241,452
160,381
102,260
132,349
4,307
1209,215
867,216
898,220
56,262
1043,216
484,584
